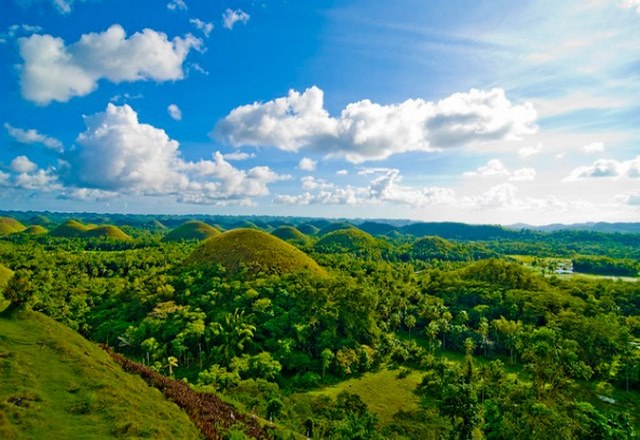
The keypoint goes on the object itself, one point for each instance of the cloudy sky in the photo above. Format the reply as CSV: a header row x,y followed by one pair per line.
x,y
477,111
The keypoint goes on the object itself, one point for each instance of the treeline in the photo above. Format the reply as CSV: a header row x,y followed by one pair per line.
x,y
605,266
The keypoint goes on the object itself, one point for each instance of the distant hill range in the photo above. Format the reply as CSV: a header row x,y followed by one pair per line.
x,y
611,228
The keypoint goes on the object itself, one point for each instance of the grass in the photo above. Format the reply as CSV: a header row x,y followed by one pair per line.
x,y
528,260
255,250
348,240
9,225
292,235
55,384
383,391
73,228
191,230
35,230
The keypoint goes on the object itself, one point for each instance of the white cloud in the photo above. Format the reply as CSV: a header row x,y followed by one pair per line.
x,y
40,180
523,175
231,17
4,179
174,112
307,164
384,186
607,168
493,168
203,26
369,131
22,164
85,194
63,6
175,5
119,154
54,71
593,147
525,152
342,172
18,29
239,156
631,4
31,136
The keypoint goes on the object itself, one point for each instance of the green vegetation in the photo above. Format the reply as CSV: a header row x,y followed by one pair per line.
x,y
254,251
191,230
292,235
35,230
55,384
75,229
606,266
357,337
9,225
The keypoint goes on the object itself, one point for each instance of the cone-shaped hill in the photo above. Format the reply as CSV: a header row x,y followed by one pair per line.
x,y
35,230
191,230
334,227
353,241
74,228
291,235
307,229
256,250
10,225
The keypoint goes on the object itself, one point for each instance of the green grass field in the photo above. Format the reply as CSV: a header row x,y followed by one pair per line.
x,y
528,260
384,393
55,384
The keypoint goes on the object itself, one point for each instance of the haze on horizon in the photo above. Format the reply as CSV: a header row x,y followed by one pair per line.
x,y
478,112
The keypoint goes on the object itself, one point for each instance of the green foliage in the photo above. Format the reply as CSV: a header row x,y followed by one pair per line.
x,y
606,266
352,241
55,384
292,235
35,230
191,230
75,229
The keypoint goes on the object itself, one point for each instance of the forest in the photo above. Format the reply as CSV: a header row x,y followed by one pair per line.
x,y
470,330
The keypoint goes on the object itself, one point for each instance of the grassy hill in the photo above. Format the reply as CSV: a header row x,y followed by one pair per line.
x,y
35,230
334,227
291,235
256,250
307,229
10,225
75,229
191,230
56,384
353,241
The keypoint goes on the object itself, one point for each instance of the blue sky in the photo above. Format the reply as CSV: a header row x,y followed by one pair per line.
x,y
475,111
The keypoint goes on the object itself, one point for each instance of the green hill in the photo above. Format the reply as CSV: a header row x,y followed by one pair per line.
x,y
291,235
334,227
431,247
375,228
191,230
353,241
39,220
10,225
35,230
256,250
75,229
56,384
308,229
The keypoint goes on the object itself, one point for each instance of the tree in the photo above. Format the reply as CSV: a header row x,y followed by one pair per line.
x,y
19,290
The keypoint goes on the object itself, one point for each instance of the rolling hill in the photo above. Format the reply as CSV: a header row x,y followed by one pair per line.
x,y
56,384
353,241
191,230
291,235
257,251
10,225
75,229
35,230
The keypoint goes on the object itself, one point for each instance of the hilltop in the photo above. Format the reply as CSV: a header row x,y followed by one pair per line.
x,y
75,229
292,235
351,240
256,250
191,230
56,384
35,230
10,225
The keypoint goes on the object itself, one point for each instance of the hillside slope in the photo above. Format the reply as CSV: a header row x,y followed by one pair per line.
x,y
191,230
56,384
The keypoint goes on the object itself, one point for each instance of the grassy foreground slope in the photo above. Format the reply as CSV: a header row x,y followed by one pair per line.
x,y
56,384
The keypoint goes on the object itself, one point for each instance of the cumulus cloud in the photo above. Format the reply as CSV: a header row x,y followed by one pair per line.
x,y
369,131
177,5
384,186
84,194
31,136
525,152
55,71
607,168
594,147
22,164
119,154
18,29
203,26
175,112
342,172
495,168
307,164
231,17
239,156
